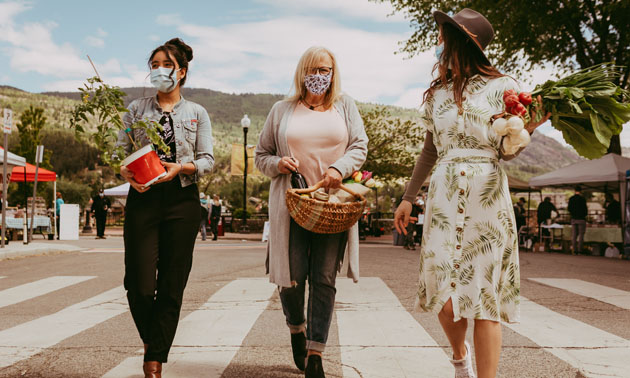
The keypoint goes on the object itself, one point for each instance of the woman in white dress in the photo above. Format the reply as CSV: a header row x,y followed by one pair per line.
x,y
469,256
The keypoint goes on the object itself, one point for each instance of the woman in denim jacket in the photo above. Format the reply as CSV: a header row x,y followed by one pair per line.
x,y
161,221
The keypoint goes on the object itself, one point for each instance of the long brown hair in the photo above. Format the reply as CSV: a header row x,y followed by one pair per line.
x,y
460,60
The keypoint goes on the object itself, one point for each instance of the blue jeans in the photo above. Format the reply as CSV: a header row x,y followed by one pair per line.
x,y
318,258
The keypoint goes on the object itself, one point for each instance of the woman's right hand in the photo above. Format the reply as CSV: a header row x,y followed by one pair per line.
x,y
401,217
128,175
288,164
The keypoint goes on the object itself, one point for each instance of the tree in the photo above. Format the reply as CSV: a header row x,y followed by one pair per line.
x,y
393,142
32,121
568,34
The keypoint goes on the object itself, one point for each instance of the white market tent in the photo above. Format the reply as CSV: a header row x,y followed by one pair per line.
x,y
13,160
606,174
117,191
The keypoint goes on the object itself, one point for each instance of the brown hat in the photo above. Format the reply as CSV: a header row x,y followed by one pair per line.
x,y
472,24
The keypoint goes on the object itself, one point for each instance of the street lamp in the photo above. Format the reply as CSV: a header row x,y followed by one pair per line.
x,y
245,122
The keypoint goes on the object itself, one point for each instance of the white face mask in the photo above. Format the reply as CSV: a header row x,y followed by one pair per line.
x,y
161,79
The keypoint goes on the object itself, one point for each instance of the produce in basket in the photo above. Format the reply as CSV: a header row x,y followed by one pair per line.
x,y
587,107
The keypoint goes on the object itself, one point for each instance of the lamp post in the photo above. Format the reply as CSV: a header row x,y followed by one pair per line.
x,y
245,122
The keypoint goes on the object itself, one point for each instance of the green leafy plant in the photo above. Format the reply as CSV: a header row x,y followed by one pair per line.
x,y
101,107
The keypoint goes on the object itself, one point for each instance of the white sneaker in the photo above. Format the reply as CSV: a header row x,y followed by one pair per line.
x,y
464,367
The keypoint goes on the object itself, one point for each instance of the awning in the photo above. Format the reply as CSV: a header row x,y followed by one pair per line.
x,y
118,191
13,160
17,175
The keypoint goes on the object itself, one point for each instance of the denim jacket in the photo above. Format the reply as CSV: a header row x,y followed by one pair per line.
x,y
193,133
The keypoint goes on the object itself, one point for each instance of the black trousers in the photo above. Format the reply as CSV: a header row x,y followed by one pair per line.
x,y
161,226
214,224
100,223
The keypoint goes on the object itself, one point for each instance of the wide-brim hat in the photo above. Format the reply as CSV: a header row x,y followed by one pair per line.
x,y
472,24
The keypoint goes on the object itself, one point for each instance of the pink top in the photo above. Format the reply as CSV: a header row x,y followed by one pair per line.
x,y
316,140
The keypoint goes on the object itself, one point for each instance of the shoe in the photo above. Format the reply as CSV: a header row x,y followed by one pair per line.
x,y
152,369
406,247
463,367
314,368
298,345
214,239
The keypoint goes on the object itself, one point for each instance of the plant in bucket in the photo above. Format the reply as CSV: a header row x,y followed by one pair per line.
x,y
98,116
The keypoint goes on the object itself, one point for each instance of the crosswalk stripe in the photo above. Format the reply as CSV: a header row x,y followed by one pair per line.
x,y
208,338
601,293
1,277
379,338
27,339
35,289
595,353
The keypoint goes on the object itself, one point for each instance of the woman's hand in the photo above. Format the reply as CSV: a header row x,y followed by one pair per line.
x,y
401,217
332,179
128,175
532,125
288,164
172,170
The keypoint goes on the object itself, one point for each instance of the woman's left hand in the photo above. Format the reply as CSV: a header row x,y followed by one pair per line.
x,y
532,125
172,170
332,179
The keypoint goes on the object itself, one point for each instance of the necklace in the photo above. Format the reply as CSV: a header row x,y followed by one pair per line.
x,y
311,107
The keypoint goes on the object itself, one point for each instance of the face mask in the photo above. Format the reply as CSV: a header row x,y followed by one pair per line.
x,y
317,84
438,51
162,80
101,194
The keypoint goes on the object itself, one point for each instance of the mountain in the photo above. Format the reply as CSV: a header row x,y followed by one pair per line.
x,y
226,110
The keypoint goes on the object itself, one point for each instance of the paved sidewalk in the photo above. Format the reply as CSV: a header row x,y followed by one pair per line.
x,y
18,249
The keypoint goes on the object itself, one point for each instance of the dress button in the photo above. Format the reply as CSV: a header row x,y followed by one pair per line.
x,y
456,266
461,211
461,191
459,229
453,284
462,173
179,142
458,246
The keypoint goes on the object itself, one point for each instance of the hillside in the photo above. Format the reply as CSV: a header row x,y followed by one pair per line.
x,y
543,155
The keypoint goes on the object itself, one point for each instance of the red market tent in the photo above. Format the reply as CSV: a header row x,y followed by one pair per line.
x,y
17,175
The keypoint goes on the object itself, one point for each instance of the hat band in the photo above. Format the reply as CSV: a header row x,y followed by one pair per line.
x,y
471,35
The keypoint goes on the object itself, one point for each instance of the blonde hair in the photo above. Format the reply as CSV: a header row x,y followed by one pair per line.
x,y
308,60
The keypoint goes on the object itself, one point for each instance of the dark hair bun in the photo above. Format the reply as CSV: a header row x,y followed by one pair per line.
x,y
181,46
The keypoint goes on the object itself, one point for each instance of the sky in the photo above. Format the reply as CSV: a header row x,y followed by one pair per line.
x,y
240,46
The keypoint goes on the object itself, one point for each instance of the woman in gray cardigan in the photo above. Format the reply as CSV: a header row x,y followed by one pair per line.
x,y
319,131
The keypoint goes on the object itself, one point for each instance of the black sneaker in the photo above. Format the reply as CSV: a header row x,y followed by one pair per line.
x,y
314,368
298,345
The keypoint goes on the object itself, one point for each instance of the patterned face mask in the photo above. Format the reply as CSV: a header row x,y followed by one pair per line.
x,y
317,84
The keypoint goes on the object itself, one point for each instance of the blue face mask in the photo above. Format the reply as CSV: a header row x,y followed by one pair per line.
x,y
161,79
438,51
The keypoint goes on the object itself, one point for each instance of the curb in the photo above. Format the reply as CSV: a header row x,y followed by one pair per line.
x,y
36,249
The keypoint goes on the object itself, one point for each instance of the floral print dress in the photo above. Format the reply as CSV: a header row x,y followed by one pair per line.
x,y
469,247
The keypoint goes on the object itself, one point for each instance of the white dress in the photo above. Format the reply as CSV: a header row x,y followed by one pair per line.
x,y
469,246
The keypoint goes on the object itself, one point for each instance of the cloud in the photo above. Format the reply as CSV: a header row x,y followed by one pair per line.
x,y
95,41
360,9
261,56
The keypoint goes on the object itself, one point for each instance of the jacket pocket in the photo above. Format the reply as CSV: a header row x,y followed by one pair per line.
x,y
190,130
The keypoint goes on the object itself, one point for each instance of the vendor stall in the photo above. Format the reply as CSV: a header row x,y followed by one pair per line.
x,y
606,175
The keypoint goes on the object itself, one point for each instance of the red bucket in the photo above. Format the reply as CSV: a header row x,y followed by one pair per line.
x,y
145,165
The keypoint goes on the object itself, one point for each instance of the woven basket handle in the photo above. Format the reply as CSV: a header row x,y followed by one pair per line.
x,y
313,188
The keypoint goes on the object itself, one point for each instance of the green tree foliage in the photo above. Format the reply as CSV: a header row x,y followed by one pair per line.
x,y
69,155
393,145
568,34
32,121
72,191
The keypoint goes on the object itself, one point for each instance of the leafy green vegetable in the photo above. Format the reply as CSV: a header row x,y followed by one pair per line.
x,y
587,107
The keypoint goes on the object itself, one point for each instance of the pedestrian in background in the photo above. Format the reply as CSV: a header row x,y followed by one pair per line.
x,y
100,205
58,203
320,131
215,216
205,214
520,214
411,227
613,210
162,221
469,267
579,211
543,213
420,221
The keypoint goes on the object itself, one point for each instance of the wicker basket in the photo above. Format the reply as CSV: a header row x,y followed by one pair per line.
x,y
324,217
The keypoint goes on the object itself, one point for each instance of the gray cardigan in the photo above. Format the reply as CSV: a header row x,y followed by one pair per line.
x,y
272,146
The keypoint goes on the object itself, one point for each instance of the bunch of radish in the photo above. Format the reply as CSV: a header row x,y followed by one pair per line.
x,y
511,126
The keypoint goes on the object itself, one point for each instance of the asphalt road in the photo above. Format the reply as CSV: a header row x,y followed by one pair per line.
x,y
71,320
